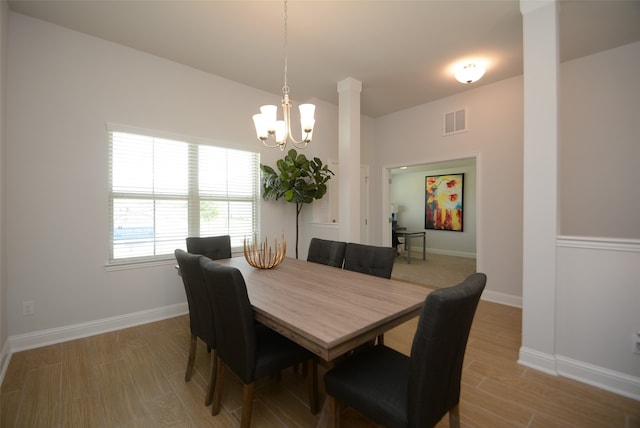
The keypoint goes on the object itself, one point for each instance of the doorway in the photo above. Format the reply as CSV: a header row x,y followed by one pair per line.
x,y
404,192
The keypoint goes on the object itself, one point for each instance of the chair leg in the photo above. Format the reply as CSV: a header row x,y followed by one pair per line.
x,y
192,357
212,378
247,405
454,416
312,382
334,412
217,392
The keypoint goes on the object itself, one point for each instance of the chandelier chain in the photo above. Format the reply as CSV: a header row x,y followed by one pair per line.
x,y
285,88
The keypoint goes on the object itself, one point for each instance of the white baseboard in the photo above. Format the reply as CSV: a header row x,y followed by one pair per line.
x,y
5,358
51,336
504,299
609,380
538,360
466,255
618,383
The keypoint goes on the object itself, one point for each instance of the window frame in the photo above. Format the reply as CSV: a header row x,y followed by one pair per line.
x,y
193,196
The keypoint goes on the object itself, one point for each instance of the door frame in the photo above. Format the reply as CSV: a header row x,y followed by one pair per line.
x,y
385,207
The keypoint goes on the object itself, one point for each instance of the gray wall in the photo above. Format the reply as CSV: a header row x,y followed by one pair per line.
x,y
600,145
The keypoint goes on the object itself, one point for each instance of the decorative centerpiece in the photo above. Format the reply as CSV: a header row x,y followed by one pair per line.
x,y
261,255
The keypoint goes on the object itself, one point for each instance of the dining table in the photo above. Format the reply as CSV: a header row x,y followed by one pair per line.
x,y
328,310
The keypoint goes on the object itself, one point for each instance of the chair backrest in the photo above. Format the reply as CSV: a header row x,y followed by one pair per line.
x,y
438,350
201,321
326,252
234,316
369,259
214,247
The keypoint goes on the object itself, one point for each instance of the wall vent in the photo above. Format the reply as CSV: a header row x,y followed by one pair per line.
x,y
454,122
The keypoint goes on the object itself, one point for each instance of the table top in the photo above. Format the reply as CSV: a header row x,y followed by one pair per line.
x,y
327,310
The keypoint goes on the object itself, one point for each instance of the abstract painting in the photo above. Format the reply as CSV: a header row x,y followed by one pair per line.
x,y
443,202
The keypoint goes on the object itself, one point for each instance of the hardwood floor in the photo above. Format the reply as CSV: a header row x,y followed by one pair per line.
x,y
135,377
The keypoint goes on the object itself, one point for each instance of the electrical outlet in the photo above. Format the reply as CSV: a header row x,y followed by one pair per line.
x,y
28,308
636,343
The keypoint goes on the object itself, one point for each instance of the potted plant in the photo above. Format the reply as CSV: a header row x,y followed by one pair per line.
x,y
298,180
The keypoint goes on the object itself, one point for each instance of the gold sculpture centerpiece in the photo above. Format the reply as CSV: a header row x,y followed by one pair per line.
x,y
260,255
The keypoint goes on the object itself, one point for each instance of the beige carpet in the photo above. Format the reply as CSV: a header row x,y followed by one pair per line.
x,y
437,270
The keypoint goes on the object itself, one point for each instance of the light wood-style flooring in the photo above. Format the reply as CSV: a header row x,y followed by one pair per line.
x,y
135,378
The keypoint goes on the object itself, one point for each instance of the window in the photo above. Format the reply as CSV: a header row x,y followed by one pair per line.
x,y
163,190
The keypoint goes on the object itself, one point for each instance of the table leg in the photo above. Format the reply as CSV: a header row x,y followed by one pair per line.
x,y
323,419
407,241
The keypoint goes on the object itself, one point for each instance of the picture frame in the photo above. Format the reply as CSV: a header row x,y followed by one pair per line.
x,y
444,202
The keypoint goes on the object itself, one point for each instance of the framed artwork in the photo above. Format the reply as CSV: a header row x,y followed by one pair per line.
x,y
443,202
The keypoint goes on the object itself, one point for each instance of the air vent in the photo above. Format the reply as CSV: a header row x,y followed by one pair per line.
x,y
454,122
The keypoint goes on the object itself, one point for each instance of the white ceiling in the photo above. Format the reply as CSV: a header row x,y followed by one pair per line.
x,y
401,51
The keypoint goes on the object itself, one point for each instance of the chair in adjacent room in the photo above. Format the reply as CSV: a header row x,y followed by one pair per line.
x,y
369,259
326,252
201,320
213,247
250,350
416,391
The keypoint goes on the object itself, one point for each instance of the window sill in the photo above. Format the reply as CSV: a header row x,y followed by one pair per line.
x,y
125,265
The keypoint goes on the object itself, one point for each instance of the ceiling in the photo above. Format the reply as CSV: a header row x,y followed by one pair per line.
x,y
401,51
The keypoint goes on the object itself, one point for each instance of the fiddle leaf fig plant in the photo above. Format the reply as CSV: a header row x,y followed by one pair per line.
x,y
298,180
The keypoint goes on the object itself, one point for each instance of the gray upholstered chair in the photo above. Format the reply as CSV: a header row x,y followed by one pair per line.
x,y
369,259
200,314
250,350
213,247
326,252
372,260
417,391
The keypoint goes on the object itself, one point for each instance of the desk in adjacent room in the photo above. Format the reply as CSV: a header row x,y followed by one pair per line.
x,y
407,242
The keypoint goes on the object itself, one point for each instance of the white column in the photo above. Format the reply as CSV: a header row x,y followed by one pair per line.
x,y
540,222
349,91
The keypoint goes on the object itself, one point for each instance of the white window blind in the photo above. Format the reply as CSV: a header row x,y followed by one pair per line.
x,y
163,190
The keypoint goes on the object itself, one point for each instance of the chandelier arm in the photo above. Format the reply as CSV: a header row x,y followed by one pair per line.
x,y
272,145
286,110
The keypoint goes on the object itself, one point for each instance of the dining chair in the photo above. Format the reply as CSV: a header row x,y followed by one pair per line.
x,y
326,252
201,320
214,247
369,259
414,391
251,351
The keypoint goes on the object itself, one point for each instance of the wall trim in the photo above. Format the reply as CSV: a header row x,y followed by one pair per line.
x,y
51,336
5,358
538,360
502,298
618,383
466,255
595,243
609,380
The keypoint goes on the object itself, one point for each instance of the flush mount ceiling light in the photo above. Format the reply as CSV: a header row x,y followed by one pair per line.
x,y
469,73
276,133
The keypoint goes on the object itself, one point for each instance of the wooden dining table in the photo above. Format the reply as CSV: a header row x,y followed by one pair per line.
x,y
327,310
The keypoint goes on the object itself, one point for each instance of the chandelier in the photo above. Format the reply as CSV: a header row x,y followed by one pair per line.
x,y
276,133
